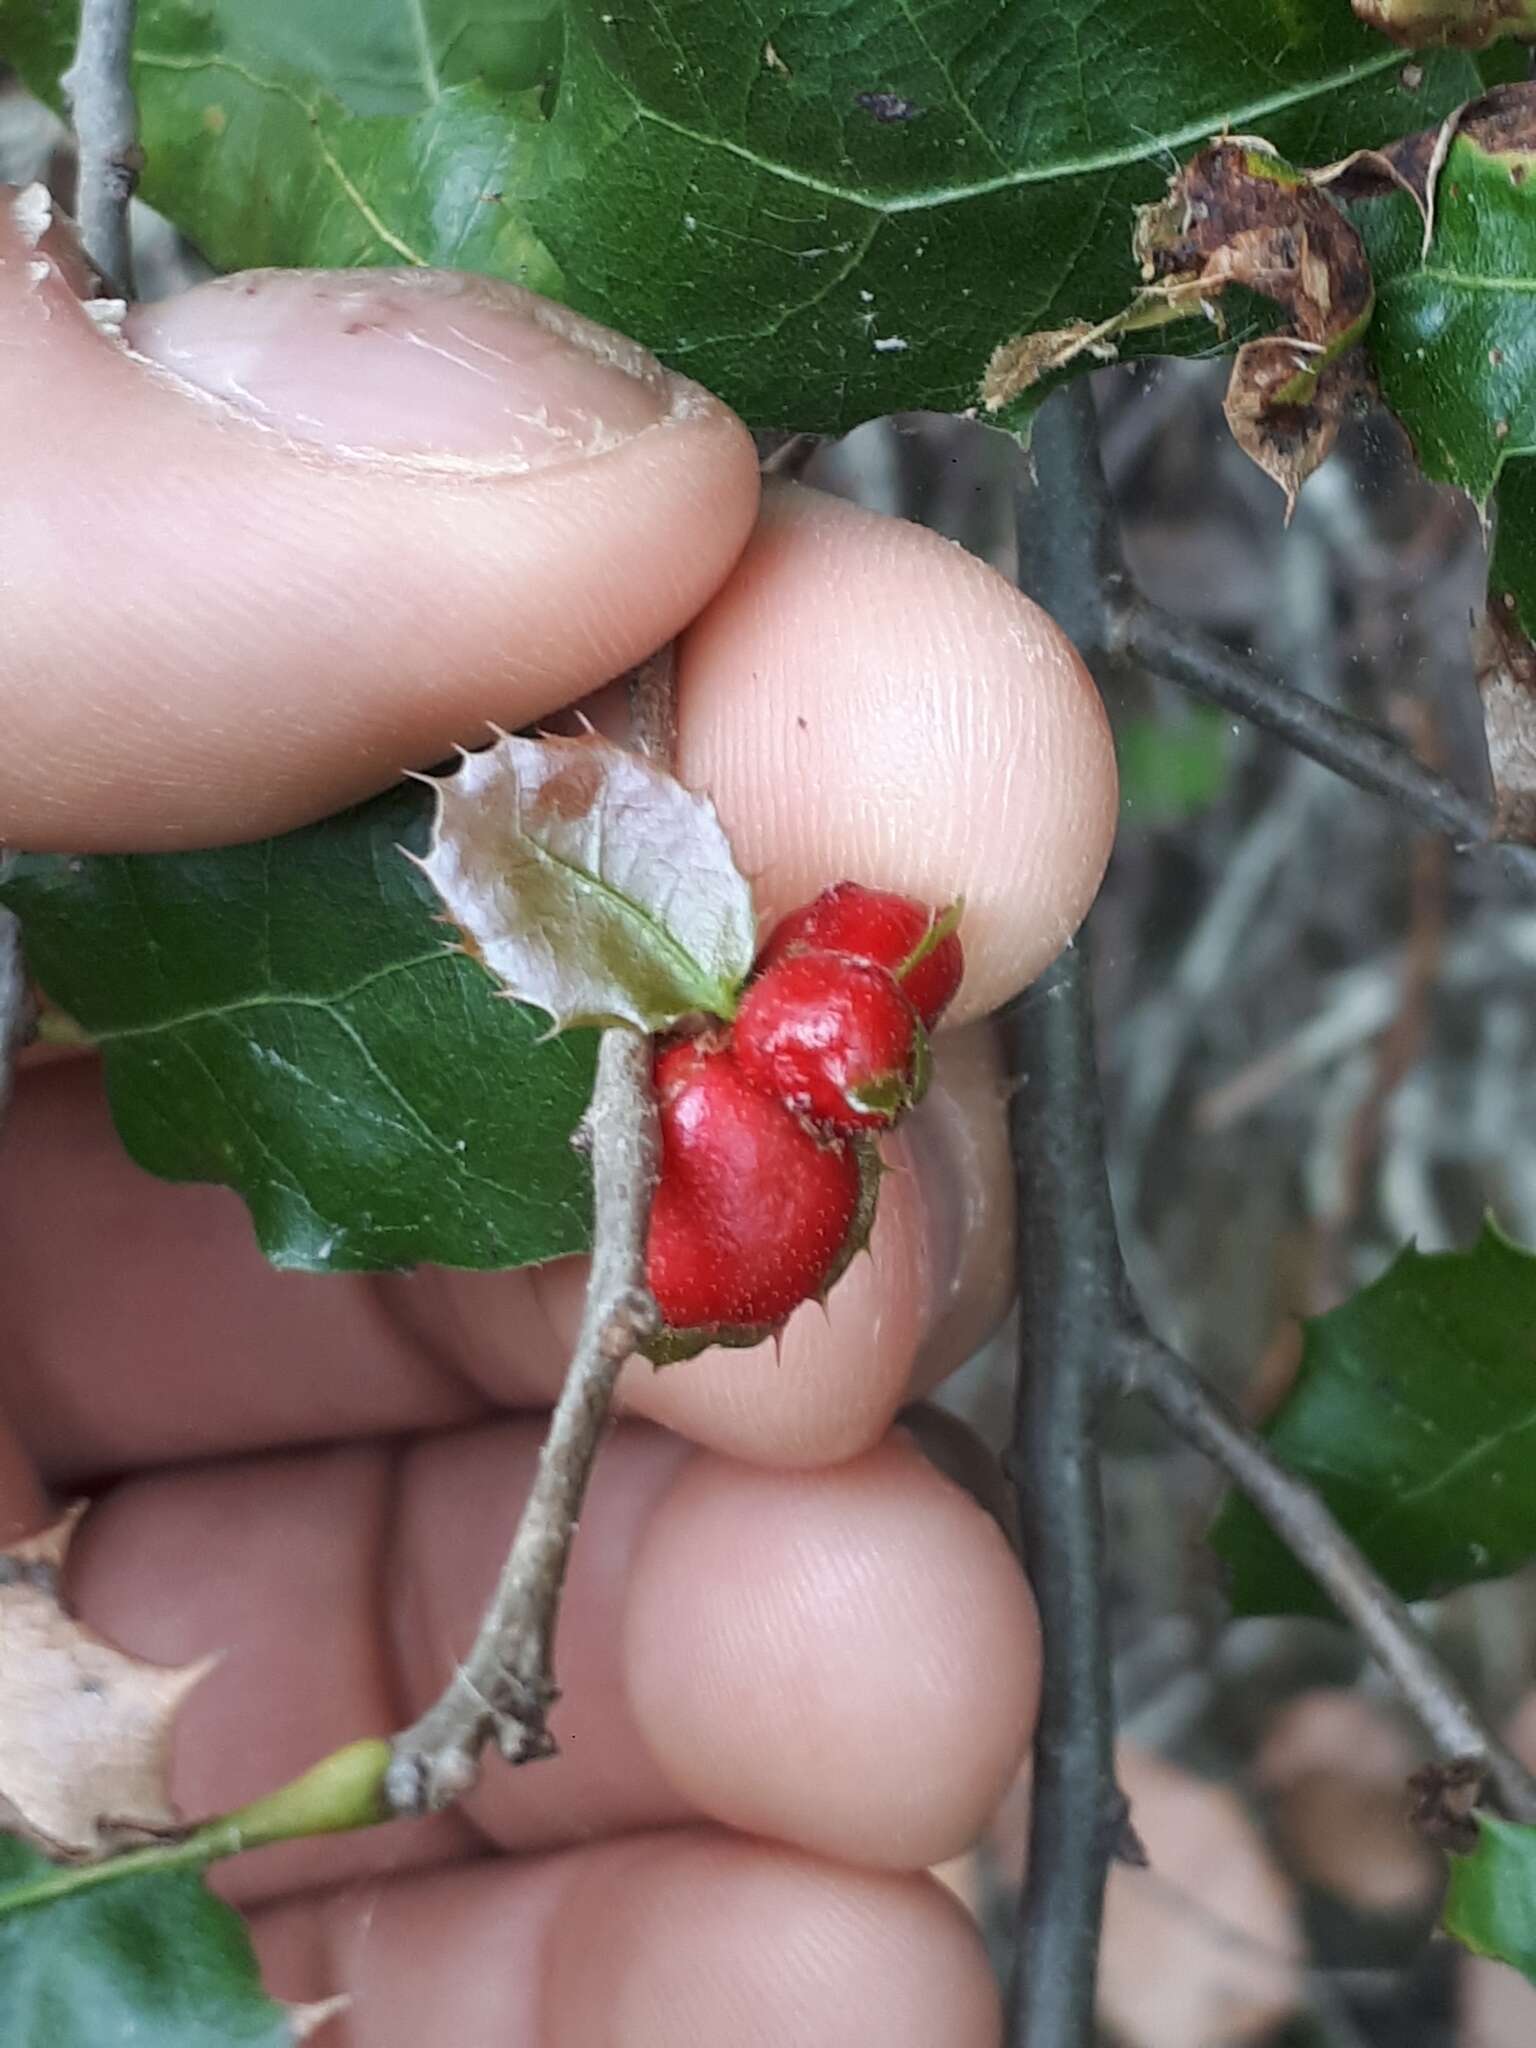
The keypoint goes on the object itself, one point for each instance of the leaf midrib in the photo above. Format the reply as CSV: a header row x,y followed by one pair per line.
x,y
1029,174
692,975
1468,1460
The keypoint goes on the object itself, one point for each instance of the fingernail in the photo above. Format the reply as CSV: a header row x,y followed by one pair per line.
x,y
955,1146
953,1448
432,365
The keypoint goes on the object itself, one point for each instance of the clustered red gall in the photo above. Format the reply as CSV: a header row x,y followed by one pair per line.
x,y
761,1183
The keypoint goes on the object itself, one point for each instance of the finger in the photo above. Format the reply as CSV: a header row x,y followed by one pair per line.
x,y
100,1378
293,532
875,1606
682,1940
865,699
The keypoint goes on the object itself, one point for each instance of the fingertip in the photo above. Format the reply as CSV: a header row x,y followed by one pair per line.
x,y
828,1387
682,1940
784,1691
710,1939
865,699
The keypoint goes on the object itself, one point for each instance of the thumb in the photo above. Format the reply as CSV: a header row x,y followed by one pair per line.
x,y
269,543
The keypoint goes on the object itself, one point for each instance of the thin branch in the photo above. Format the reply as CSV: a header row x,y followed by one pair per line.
x,y
1109,617
505,1687
1069,1298
99,89
1304,1523
1072,1289
1079,1319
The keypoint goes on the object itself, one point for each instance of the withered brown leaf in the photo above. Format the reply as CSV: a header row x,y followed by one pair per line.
x,y
1432,24
1236,214
85,1729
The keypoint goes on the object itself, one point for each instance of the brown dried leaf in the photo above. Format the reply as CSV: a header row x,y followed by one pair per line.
x,y
1502,122
1235,214
591,883
1444,1798
1017,364
1431,24
1506,680
85,1730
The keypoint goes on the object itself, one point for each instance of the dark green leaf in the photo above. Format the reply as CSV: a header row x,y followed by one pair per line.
x,y
1491,1903
1454,336
1414,1414
827,215
1505,63
379,131
286,1018
838,212
1512,572
152,1958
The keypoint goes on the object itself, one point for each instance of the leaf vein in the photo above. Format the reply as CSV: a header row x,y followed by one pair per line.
x,y
1028,174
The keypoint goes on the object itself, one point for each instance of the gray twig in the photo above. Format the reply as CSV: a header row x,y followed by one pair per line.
x,y
1083,1335
1108,617
1070,1289
505,1687
99,88
1302,1520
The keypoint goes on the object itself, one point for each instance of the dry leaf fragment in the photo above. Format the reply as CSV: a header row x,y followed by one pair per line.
x,y
1466,24
1506,681
1501,122
591,883
1445,1798
85,1729
1235,214
1017,364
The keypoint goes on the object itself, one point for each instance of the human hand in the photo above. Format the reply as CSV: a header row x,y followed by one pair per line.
x,y
345,523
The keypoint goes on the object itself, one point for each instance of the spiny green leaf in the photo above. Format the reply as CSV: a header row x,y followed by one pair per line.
x,y
289,1019
1491,1904
1454,337
826,214
1414,1415
153,1959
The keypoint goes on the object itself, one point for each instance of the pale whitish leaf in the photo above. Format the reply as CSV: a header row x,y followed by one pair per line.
x,y
591,883
85,1731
